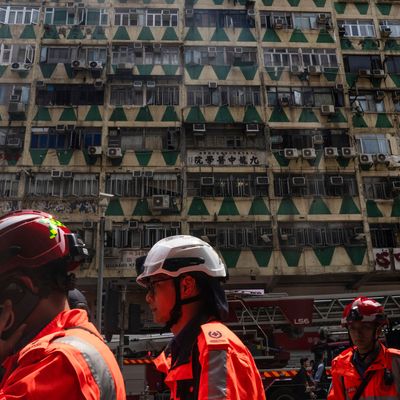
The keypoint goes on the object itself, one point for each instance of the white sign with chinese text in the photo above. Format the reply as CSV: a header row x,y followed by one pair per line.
x,y
228,158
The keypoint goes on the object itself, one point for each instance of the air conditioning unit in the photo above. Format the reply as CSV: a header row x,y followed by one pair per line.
x,y
189,13
61,128
237,52
318,139
322,19
336,180
199,127
16,107
212,52
14,142
364,73
137,174
366,159
284,101
331,152
95,150
385,31
137,84
348,152
20,67
98,84
314,70
251,13
88,225
133,224
151,84
379,95
207,181
296,70
55,174
114,152
96,65
309,153
291,153
396,185
78,65
396,96
262,180
157,47
278,23
252,128
328,110
298,181
67,174
161,202
15,98
378,73
213,84
382,158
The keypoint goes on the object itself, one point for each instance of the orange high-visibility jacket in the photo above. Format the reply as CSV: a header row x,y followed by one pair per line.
x,y
346,379
228,370
67,360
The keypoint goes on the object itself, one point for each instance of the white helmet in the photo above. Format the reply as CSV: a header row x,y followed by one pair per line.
x,y
176,255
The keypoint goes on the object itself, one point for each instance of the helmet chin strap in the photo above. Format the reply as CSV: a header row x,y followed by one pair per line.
x,y
176,312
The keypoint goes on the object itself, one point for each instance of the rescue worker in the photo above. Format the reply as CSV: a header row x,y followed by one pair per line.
x,y
367,370
47,350
205,360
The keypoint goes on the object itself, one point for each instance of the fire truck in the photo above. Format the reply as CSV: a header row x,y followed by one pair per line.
x,y
278,330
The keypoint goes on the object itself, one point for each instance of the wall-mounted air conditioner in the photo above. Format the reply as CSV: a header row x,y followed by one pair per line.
x,y
308,153
114,152
298,181
336,180
207,181
348,152
331,152
291,153
161,202
366,159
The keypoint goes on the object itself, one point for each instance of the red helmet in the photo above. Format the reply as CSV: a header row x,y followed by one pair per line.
x,y
30,239
364,309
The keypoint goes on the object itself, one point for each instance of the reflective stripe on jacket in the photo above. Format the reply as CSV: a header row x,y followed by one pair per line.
x,y
346,379
67,360
227,369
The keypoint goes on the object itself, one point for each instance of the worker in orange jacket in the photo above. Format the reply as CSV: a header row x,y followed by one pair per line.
x,y
205,360
47,351
367,370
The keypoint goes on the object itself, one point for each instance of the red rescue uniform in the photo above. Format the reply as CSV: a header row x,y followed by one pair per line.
x,y
226,369
346,379
67,360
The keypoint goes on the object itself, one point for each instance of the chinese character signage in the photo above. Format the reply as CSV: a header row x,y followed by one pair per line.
x,y
222,158
385,258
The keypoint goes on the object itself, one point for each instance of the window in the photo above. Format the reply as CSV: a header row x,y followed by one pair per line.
x,y
166,55
241,235
383,235
317,235
314,185
278,57
223,95
145,95
219,19
76,16
270,19
126,185
394,26
362,28
379,188
373,144
219,56
238,185
13,15
11,53
305,21
67,95
393,64
42,184
368,102
8,89
64,55
303,97
355,63
9,185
